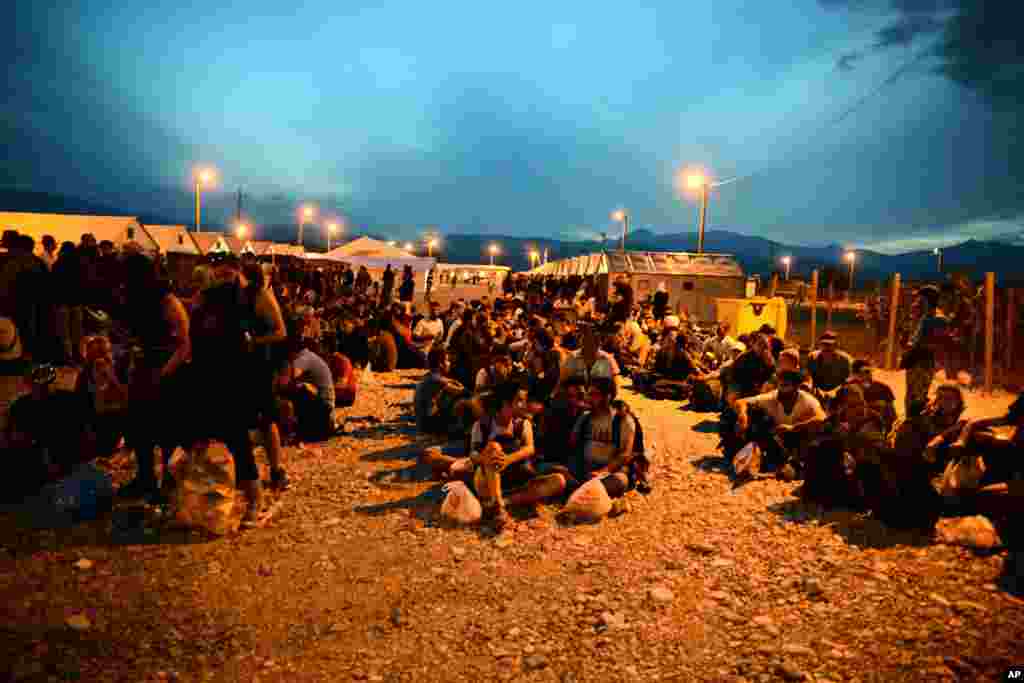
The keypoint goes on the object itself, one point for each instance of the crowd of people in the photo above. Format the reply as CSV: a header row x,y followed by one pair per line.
x,y
527,380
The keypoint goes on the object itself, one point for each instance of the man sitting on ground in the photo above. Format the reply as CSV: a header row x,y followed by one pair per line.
x,y
828,366
502,450
878,395
308,383
435,396
789,415
601,453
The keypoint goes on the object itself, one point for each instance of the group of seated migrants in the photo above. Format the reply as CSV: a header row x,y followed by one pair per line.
x,y
527,380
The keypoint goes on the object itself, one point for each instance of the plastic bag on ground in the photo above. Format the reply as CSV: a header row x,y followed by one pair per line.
x,y
83,495
589,503
970,532
205,496
747,463
460,506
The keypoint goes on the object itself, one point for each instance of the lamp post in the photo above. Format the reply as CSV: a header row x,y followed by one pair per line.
x,y
332,229
938,254
534,258
204,176
408,246
851,256
494,250
787,262
431,243
699,181
242,231
306,215
622,216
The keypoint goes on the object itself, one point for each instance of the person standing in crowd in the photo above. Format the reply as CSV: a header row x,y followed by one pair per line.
x,y
430,284
920,358
49,252
660,302
387,281
429,331
157,320
408,286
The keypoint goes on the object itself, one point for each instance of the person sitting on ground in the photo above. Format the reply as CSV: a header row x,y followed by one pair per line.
x,y
345,382
878,394
496,372
429,331
634,345
1001,456
777,345
557,421
788,414
307,382
103,398
603,438
721,344
828,366
751,370
589,361
788,361
502,451
436,395
384,354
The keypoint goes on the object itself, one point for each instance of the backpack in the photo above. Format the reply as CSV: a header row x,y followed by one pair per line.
x,y
639,465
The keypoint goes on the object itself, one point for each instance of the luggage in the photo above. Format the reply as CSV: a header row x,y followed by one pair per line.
x,y
204,495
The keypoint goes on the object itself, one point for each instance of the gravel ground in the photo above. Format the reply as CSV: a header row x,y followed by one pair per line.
x,y
353,581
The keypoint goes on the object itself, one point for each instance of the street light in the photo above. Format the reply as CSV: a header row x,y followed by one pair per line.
x,y
494,249
332,229
392,243
699,181
787,261
622,216
534,258
431,243
242,230
204,177
938,253
306,214
851,256
408,246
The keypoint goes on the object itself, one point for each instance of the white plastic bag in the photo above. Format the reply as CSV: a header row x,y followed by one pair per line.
x,y
747,463
460,506
970,532
205,491
589,503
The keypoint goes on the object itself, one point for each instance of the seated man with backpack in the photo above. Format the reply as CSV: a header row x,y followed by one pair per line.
x,y
609,442
502,450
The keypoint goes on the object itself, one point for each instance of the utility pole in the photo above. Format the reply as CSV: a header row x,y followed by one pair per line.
x,y
238,210
703,216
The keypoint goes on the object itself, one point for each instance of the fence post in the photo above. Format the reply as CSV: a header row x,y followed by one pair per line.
x,y
814,309
831,297
1011,327
990,327
894,304
775,285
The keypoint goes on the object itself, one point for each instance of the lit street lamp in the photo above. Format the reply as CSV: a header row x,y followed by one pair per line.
x,y
408,246
938,253
851,256
431,243
622,216
242,231
392,243
494,249
699,181
332,229
787,262
534,258
306,216
204,177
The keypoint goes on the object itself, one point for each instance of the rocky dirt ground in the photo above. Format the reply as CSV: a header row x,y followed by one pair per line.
x,y
353,580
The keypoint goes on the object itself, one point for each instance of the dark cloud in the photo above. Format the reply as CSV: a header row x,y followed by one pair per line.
x,y
904,31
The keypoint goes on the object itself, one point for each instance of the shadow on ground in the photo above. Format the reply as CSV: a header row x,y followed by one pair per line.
x,y
706,427
855,527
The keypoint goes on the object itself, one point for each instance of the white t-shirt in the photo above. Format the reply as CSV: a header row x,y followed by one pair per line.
x,y
478,441
598,444
634,337
604,366
805,408
426,327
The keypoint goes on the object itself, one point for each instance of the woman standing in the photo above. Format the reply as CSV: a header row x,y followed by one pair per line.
x,y
158,321
405,292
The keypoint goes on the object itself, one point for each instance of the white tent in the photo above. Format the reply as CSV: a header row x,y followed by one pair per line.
x,y
377,255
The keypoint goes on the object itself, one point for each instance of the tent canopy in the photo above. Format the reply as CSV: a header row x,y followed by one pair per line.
x,y
650,262
367,247
70,227
172,239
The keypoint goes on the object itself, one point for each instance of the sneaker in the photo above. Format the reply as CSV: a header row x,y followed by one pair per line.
x,y
279,480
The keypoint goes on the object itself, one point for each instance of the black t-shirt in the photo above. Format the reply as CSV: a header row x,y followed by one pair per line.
x,y
878,392
750,372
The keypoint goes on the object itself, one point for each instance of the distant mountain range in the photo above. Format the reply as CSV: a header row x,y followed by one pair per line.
x,y
1003,255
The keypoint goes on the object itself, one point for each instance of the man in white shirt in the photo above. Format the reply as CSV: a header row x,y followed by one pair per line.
x,y
792,414
429,330
589,361
721,345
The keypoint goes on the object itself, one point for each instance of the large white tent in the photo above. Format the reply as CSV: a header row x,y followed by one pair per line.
x,y
377,255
